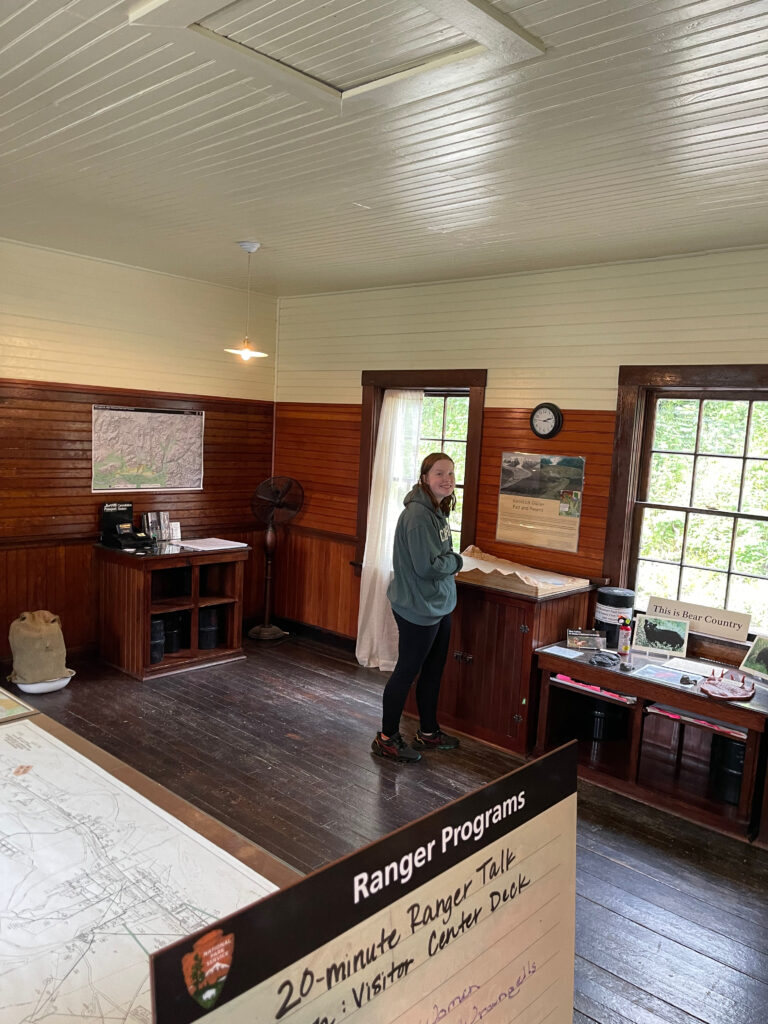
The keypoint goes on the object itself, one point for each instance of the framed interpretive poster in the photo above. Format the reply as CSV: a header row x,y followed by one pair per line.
x,y
540,500
466,912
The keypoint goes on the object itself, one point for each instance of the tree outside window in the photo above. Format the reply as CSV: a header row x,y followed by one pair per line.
x,y
444,425
695,487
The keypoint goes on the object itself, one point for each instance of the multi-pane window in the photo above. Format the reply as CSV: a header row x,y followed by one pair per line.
x,y
444,421
703,505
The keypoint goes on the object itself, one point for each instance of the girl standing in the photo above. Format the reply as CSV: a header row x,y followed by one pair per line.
x,y
423,595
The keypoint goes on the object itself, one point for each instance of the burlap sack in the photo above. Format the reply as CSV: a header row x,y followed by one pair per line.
x,y
37,644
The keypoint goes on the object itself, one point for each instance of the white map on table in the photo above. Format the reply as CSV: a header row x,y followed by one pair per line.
x,y
93,878
145,449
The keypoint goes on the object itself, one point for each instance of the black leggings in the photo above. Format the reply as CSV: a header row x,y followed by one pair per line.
x,y
421,651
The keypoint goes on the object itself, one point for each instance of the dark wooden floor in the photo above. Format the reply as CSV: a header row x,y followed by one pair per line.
x,y
672,920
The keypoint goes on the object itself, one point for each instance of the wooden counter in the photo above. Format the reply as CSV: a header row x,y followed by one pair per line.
x,y
489,687
626,763
134,589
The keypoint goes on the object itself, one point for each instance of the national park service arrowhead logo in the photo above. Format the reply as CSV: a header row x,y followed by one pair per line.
x,y
207,966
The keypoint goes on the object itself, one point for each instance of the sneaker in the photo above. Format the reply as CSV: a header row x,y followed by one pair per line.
x,y
394,748
434,741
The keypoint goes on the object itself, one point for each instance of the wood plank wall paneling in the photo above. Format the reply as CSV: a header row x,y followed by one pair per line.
x,y
319,445
60,578
45,461
585,432
315,582
50,518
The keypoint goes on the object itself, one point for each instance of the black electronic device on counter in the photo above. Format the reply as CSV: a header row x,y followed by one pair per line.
x,y
117,527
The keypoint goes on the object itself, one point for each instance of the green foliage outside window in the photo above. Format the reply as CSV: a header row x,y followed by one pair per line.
x,y
708,457
444,425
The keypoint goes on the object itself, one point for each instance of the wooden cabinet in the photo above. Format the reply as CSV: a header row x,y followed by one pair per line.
x,y
489,687
199,593
609,712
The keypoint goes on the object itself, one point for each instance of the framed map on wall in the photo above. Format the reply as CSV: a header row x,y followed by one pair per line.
x,y
146,449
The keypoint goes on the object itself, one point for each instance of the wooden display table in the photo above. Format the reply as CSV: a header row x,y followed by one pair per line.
x,y
616,756
489,685
176,586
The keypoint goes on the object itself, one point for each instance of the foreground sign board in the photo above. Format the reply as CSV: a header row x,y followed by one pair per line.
x,y
466,915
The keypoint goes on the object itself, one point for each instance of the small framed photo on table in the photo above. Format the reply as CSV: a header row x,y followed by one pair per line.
x,y
756,660
657,635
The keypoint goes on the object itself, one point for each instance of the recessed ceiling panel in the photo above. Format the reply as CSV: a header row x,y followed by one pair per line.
x,y
344,43
641,131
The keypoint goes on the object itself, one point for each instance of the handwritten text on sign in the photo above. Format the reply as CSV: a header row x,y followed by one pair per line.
x,y
489,937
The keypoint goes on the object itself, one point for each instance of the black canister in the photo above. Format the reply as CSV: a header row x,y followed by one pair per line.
x,y
208,628
207,637
613,603
208,617
172,640
156,640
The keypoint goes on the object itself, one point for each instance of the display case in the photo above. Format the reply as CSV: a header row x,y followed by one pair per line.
x,y
170,610
655,739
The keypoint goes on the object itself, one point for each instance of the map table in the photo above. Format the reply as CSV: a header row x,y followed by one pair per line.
x,y
100,867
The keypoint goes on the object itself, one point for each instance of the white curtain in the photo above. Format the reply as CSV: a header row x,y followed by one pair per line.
x,y
395,471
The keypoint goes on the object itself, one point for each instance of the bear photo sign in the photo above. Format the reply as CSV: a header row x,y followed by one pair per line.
x,y
466,914
658,635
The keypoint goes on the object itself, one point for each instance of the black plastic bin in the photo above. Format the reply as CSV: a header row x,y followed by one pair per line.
x,y
172,639
207,628
172,633
207,637
156,640
207,617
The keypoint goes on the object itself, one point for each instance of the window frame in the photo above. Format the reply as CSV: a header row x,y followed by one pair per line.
x,y
374,384
444,394
639,387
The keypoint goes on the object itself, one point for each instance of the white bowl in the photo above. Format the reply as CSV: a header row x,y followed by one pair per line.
x,y
47,686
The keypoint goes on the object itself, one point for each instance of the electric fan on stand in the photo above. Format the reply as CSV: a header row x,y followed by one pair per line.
x,y
276,500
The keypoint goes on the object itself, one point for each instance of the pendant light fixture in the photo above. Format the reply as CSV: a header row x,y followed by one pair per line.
x,y
246,350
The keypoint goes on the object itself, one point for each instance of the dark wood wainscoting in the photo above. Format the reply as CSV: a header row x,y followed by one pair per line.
x,y
585,432
315,580
50,518
63,579
319,445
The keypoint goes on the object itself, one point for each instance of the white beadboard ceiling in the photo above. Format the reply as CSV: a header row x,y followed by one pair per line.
x,y
379,142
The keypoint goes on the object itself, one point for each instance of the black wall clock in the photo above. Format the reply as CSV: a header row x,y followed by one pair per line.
x,y
546,420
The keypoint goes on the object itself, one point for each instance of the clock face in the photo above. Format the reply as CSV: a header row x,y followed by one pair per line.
x,y
546,420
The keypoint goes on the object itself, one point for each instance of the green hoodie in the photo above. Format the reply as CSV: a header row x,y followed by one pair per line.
x,y
423,589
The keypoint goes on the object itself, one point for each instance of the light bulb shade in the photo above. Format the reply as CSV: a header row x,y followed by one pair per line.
x,y
246,352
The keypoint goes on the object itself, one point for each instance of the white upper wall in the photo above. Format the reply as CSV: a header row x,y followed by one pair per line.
x,y
548,336
69,319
